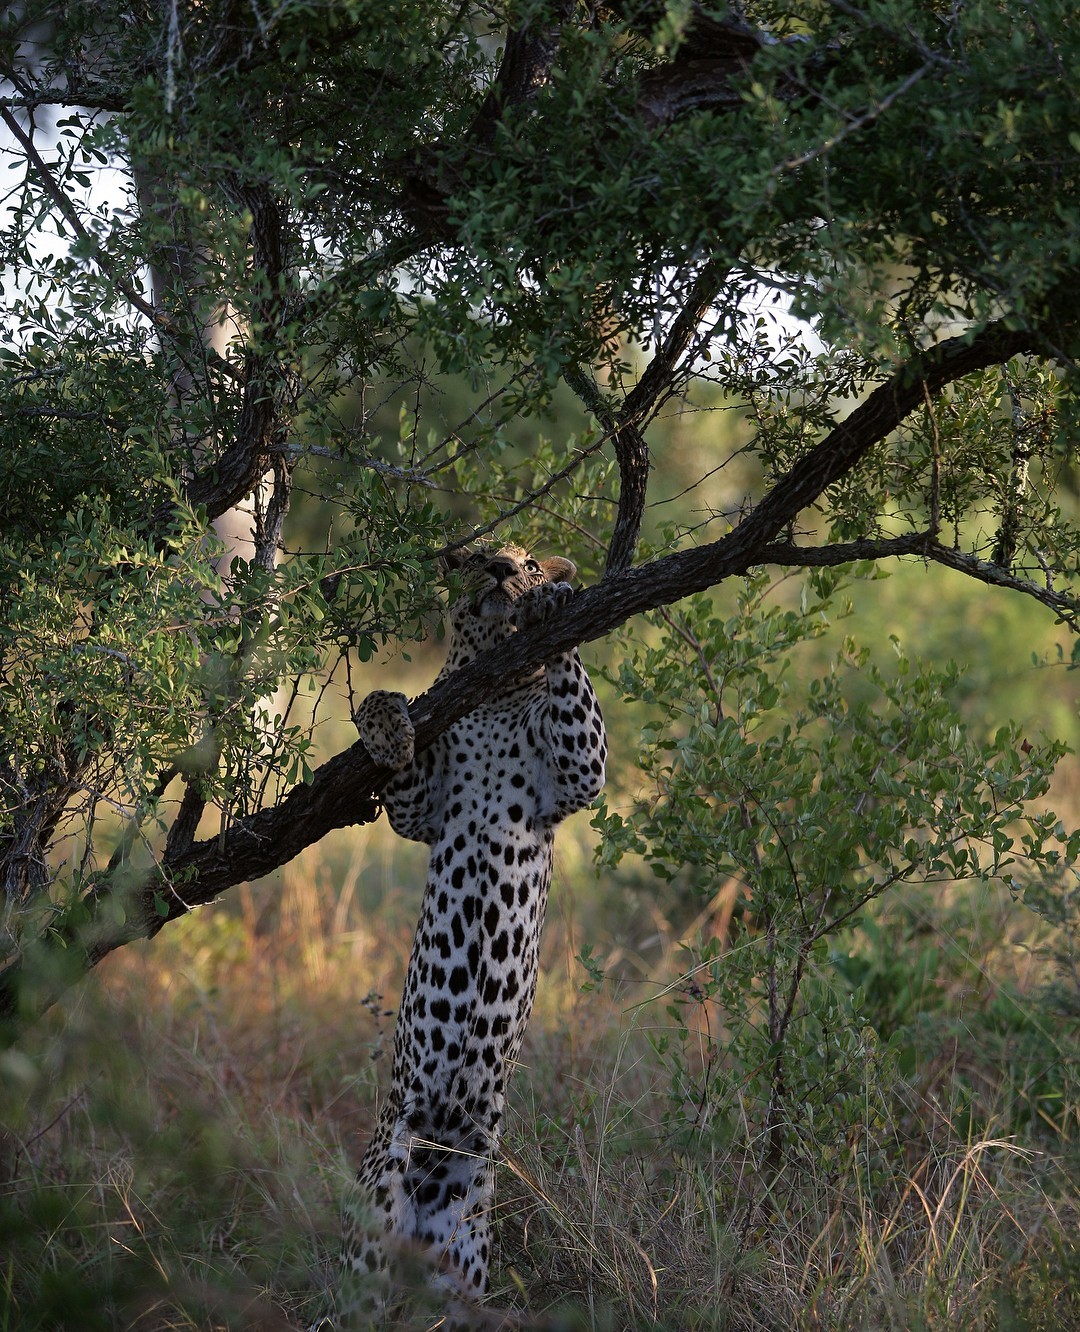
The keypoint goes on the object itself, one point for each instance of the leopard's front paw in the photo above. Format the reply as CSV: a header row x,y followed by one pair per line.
x,y
383,722
542,602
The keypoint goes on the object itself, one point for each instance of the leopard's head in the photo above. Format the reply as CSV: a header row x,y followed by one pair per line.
x,y
495,578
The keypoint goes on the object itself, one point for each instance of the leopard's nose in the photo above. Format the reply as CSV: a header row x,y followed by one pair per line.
x,y
501,570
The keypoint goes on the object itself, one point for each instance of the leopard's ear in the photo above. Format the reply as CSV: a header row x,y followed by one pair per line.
x,y
455,558
559,570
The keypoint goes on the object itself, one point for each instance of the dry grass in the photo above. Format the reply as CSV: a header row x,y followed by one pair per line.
x,y
700,1237
177,1137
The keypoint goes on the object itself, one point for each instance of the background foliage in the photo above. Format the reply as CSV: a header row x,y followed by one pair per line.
x,y
742,312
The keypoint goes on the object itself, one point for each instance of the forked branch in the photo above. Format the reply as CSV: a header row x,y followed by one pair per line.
x,y
624,424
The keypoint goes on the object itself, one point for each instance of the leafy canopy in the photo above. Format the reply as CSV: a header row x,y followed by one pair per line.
x,y
432,268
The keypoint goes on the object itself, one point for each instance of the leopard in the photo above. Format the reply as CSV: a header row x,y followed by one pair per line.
x,y
486,797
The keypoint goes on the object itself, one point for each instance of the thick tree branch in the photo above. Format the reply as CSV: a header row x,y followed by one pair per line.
x,y
340,792
704,74
632,455
225,482
528,56
89,99
656,379
439,168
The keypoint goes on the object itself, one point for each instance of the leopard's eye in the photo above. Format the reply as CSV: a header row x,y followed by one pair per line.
x,y
532,566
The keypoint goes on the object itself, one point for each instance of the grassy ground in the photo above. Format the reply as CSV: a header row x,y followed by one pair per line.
x,y
177,1135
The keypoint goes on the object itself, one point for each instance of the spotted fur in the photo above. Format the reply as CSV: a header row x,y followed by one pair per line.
x,y
486,797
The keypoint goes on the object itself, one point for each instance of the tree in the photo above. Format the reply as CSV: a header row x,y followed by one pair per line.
x,y
325,205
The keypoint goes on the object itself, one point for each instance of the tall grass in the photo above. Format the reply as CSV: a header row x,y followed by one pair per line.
x,y
176,1136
